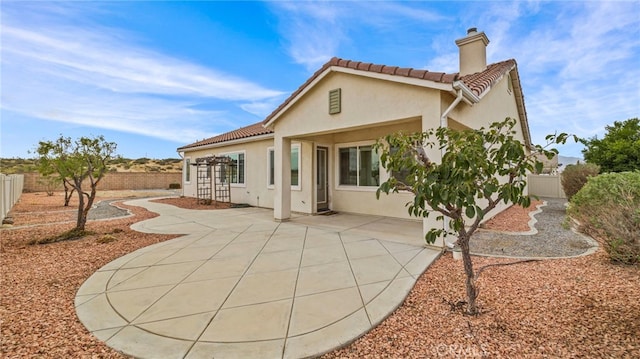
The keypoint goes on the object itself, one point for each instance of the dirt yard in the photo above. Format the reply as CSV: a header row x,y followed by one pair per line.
x,y
584,307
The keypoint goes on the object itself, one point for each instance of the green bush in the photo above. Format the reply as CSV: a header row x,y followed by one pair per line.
x,y
608,209
174,185
141,161
574,177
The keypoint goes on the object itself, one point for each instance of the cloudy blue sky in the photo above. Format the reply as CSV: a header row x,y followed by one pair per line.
x,y
153,76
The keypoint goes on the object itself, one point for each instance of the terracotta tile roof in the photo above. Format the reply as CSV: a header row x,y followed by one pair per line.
x,y
480,81
245,132
477,83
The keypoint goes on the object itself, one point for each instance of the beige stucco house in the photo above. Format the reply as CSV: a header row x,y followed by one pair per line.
x,y
314,152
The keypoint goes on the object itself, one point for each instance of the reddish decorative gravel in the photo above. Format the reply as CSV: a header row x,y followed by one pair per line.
x,y
192,203
513,219
39,283
582,307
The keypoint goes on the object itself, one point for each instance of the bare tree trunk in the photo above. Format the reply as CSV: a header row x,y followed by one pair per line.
x,y
472,290
82,218
67,193
85,211
90,198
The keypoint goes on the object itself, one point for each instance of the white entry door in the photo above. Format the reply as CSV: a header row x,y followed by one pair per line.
x,y
322,179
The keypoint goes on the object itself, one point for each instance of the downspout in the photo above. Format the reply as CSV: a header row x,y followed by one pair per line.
x,y
445,114
181,154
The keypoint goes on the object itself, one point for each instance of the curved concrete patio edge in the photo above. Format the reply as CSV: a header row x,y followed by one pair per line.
x,y
239,284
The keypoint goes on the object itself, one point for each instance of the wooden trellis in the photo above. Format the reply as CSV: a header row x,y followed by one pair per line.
x,y
213,175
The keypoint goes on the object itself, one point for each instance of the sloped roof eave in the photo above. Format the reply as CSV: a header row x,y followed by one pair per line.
x,y
225,143
522,109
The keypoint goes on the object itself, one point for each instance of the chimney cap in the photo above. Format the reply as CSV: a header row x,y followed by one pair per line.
x,y
472,36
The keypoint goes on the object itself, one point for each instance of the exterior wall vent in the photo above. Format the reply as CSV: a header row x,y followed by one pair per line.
x,y
335,101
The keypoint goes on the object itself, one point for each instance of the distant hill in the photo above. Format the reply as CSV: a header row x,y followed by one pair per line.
x,y
565,160
21,165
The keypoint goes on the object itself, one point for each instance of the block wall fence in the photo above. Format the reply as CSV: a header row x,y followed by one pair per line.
x,y
10,190
545,186
115,181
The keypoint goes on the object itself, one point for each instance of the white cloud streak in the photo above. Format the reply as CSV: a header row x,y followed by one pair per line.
x,y
314,31
93,76
578,61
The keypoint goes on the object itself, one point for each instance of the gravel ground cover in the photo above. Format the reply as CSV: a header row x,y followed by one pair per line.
x,y
551,238
39,283
513,219
584,307
562,308
192,203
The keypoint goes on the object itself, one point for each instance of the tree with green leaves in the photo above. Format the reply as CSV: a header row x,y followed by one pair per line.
x,y
618,150
478,170
76,163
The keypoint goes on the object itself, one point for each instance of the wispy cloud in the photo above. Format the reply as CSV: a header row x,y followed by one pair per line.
x,y
96,76
578,61
311,31
314,31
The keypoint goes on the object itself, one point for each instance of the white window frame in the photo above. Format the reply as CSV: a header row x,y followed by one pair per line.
x,y
244,174
340,187
270,185
187,170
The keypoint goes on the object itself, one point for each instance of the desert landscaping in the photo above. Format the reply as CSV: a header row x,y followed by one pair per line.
x,y
578,307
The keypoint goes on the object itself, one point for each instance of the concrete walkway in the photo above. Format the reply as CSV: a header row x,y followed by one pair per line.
x,y
239,285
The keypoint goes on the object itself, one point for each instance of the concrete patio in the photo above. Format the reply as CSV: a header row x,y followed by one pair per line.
x,y
239,285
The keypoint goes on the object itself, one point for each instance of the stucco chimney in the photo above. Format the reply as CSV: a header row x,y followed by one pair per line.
x,y
473,52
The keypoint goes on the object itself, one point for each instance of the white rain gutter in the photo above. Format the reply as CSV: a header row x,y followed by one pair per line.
x,y
445,114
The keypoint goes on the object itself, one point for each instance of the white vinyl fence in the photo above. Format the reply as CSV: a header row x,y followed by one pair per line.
x,y
545,186
10,191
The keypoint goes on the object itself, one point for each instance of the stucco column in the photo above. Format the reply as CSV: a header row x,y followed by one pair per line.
x,y
431,122
282,168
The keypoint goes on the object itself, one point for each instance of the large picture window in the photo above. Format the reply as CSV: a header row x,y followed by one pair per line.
x,y
295,166
237,167
359,166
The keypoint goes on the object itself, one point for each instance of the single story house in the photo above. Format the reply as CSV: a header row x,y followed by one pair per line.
x,y
314,152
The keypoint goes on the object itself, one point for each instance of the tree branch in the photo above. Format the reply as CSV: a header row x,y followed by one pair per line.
x,y
403,187
422,157
481,269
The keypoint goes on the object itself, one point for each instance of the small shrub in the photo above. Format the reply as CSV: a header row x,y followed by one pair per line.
x,y
574,177
107,238
50,183
174,186
65,236
141,161
608,209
